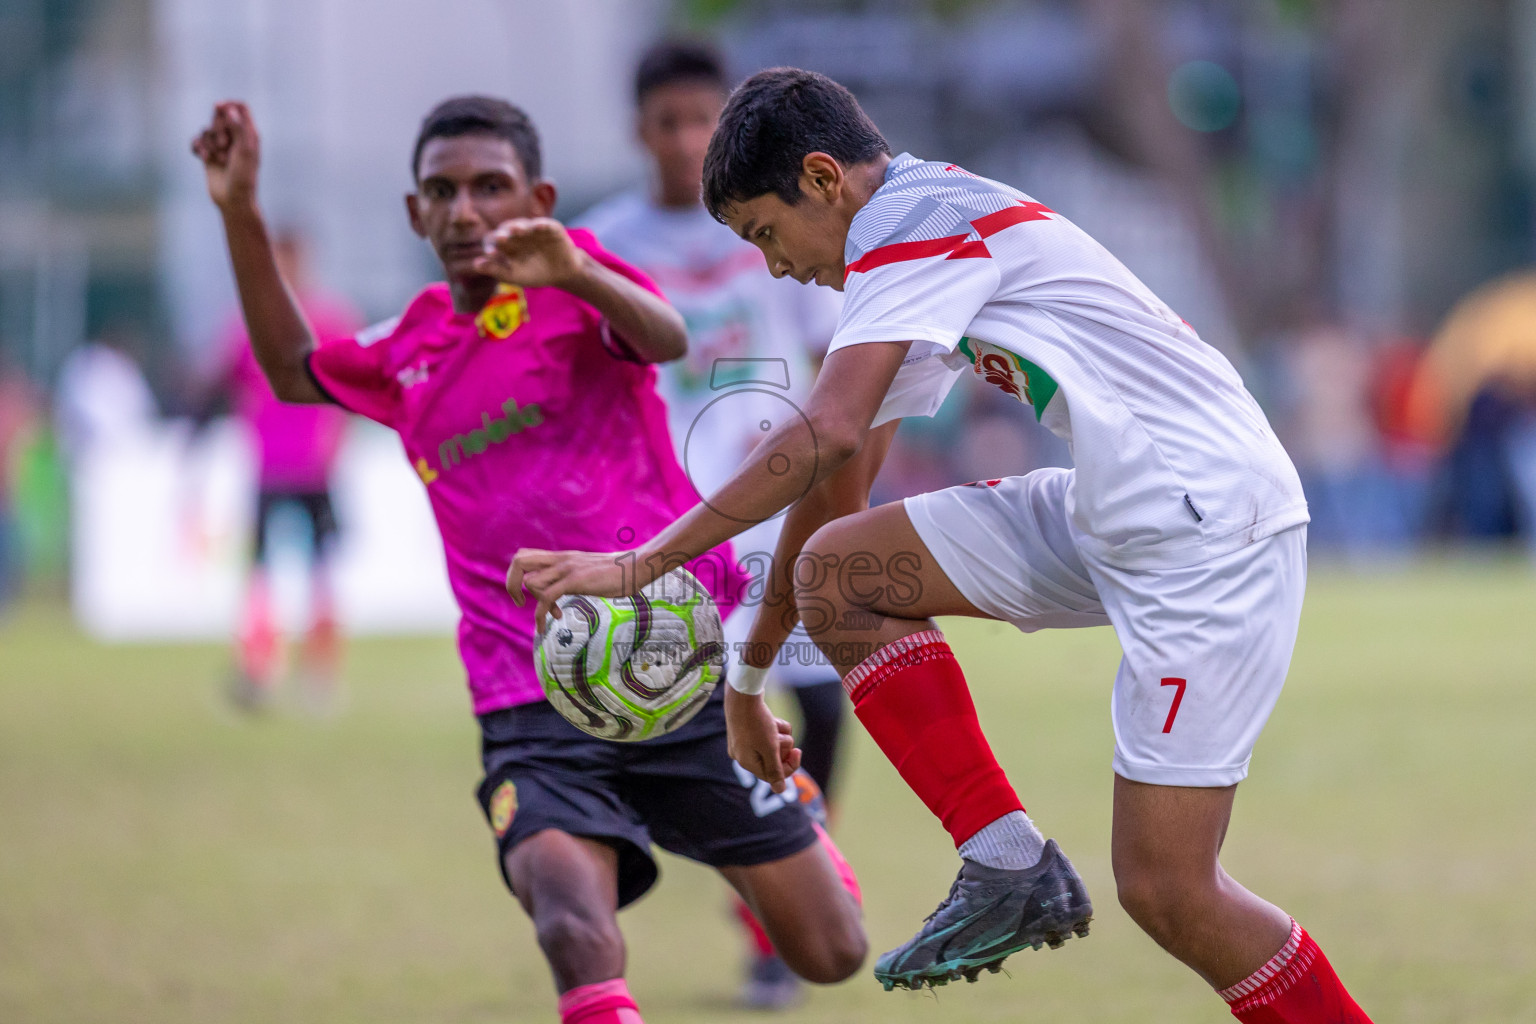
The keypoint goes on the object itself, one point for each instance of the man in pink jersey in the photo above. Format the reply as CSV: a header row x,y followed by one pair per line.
x,y
523,395
1181,523
296,446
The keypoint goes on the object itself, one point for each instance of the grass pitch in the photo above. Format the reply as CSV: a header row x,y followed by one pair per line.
x,y
162,859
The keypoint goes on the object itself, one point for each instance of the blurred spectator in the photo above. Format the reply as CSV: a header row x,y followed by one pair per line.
x,y
18,414
1332,438
1476,388
1409,446
102,394
296,447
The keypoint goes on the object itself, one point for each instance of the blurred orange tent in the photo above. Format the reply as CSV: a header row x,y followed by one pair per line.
x,y
1488,339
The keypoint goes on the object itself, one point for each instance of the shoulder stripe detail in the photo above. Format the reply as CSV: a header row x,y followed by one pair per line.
x,y
992,223
974,249
901,252
954,247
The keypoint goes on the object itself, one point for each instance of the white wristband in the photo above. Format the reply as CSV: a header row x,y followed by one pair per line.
x,y
748,679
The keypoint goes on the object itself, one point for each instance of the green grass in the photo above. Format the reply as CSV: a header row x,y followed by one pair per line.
x,y
164,860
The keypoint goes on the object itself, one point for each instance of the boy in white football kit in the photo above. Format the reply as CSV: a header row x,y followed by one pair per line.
x,y
1182,525
1162,528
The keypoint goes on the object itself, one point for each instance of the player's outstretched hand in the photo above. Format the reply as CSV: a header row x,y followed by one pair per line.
x,y
758,741
230,151
548,576
532,252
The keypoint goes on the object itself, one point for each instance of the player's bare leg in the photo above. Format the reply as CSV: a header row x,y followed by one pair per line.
x,y
570,888
1014,890
1166,846
808,905
1166,852
850,614
258,646
320,656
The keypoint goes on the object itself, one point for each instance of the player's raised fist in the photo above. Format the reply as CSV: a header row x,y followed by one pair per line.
x,y
532,252
230,151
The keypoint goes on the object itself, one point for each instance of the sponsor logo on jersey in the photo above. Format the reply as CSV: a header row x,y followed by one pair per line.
x,y
504,314
412,376
503,807
456,449
1011,373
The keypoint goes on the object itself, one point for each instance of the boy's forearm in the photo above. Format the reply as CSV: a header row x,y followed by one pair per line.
x,y
647,323
754,493
280,336
843,493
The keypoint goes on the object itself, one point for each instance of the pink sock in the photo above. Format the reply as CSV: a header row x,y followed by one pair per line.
x,y
844,869
606,1002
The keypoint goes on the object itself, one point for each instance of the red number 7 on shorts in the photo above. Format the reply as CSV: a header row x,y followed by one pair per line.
x,y
1178,698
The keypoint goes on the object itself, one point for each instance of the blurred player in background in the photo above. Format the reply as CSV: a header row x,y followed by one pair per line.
x,y
296,448
1182,524
523,393
18,419
753,342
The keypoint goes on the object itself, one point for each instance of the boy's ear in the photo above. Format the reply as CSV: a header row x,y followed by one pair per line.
x,y
414,214
545,196
821,176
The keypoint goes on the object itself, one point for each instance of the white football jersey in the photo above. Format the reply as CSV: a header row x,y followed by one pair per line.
x,y
1175,462
752,339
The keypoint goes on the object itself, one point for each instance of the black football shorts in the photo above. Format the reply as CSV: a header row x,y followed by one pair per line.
x,y
681,791
318,512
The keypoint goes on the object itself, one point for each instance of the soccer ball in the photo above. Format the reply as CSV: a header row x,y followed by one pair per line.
x,y
630,668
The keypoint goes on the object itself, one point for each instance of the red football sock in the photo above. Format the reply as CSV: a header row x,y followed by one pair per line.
x,y
606,1002
912,697
1296,986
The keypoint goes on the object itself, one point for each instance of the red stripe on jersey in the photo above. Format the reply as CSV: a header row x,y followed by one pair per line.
x,y
992,223
901,252
970,251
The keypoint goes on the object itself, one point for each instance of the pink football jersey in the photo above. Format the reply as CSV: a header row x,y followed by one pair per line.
x,y
295,444
529,427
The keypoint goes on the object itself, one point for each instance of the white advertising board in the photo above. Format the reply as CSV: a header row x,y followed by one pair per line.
x,y
162,524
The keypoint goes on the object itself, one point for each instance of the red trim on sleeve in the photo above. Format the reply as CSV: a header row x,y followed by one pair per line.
x,y
901,252
974,249
992,223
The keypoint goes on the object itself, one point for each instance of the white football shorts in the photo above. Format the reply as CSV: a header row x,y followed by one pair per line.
x,y
1205,647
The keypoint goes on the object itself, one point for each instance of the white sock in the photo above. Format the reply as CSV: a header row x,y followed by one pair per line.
x,y
1012,842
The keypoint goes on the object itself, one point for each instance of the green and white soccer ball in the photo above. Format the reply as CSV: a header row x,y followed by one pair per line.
x,y
630,668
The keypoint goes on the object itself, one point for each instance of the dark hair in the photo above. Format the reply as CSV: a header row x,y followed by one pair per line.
x,y
481,115
679,60
769,125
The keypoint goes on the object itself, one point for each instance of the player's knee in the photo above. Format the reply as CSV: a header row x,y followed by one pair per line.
x,y
836,955
1160,904
573,940
817,592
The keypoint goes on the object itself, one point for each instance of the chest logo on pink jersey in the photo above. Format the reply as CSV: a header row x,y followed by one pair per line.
x,y
412,376
504,314
492,430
